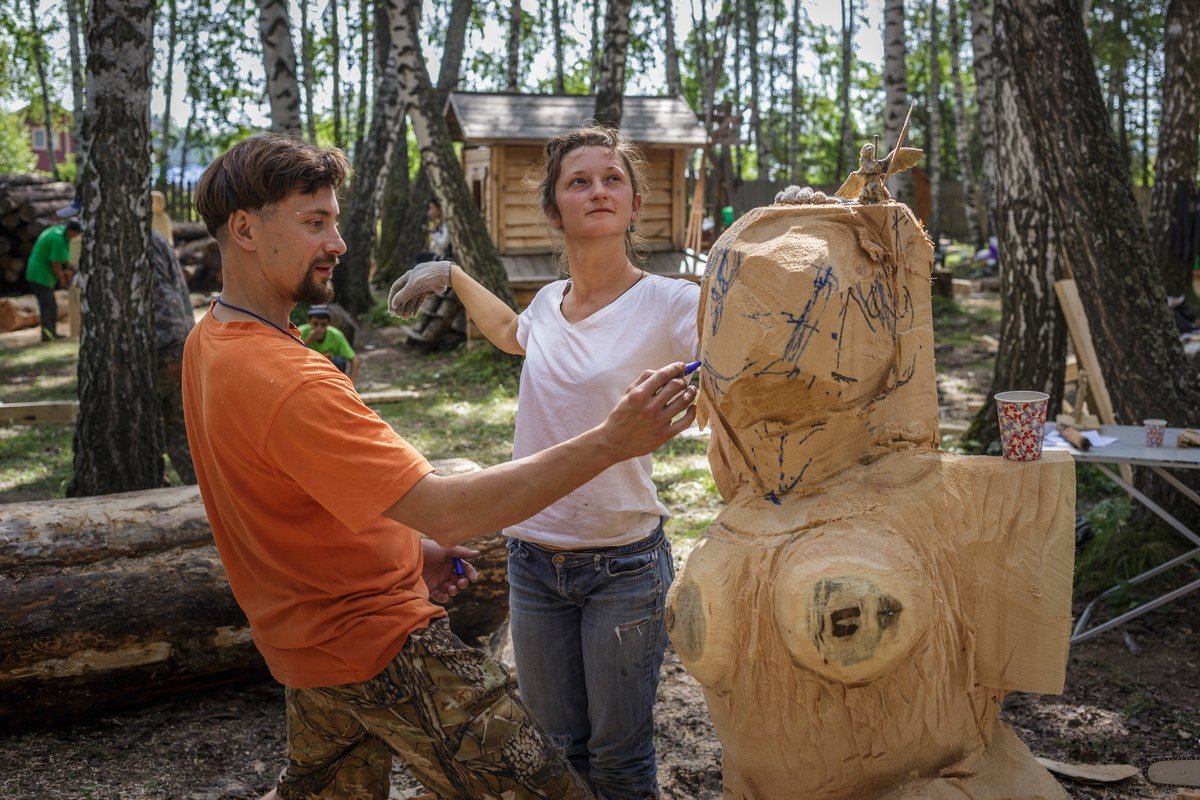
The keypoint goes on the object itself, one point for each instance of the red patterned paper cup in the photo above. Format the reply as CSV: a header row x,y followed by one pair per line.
x,y
1155,429
1022,423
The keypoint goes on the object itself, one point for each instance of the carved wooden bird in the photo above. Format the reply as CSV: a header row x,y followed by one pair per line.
x,y
868,183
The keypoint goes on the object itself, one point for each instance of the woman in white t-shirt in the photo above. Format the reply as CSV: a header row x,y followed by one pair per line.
x,y
588,575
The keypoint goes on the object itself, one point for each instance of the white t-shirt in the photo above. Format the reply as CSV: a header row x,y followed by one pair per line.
x,y
573,376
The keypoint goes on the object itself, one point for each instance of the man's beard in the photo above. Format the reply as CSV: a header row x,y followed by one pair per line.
x,y
312,292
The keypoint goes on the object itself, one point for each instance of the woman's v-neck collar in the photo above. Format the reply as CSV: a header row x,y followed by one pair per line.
x,y
600,312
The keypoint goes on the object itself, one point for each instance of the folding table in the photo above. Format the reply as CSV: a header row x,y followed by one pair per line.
x,y
1130,448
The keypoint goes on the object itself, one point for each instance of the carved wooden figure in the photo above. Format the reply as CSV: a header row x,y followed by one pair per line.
x,y
860,608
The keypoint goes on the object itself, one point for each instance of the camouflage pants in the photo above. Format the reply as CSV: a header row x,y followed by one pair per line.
x,y
448,710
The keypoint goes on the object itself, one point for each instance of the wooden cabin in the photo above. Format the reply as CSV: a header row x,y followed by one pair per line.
x,y
503,136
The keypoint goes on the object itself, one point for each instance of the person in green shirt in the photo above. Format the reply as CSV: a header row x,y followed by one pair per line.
x,y
48,268
330,342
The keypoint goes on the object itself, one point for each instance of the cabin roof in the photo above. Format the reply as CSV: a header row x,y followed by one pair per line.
x,y
481,118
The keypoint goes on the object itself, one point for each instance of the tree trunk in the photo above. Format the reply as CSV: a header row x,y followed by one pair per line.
x,y
1060,105
846,140
336,56
1032,353
118,437
793,159
933,149
610,92
1145,181
512,78
306,60
1175,163
735,174
962,129
755,109
74,12
769,145
674,82
895,80
595,40
352,281
985,98
280,59
477,253
121,600
364,72
39,60
556,28
168,91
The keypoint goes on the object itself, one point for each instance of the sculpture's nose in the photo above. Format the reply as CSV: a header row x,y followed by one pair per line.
x,y
853,610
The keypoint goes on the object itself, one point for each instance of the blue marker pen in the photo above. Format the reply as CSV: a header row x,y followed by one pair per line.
x,y
458,567
690,368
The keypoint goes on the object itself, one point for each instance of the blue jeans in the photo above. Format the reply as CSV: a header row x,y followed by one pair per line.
x,y
589,636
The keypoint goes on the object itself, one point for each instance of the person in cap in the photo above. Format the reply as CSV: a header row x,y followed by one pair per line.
x,y
49,268
328,340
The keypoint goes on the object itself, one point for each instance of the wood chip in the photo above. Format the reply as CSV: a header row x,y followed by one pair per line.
x,y
1090,773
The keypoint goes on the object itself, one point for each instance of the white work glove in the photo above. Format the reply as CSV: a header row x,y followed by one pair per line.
x,y
412,288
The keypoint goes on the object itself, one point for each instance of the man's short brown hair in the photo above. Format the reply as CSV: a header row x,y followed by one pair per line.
x,y
262,171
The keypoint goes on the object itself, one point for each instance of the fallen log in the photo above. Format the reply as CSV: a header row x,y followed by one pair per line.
x,y
187,231
21,311
33,209
120,600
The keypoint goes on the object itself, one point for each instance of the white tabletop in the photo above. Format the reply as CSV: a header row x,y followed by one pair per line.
x,y
1130,448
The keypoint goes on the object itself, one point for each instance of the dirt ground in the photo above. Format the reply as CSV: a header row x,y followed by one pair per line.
x,y
1131,697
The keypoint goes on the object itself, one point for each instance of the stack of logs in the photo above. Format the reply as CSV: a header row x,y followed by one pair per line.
x,y
27,207
199,256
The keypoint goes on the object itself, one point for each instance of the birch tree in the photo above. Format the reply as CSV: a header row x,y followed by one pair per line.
x,y
556,29
933,147
279,57
895,81
512,76
168,74
118,442
39,60
306,61
75,13
1175,166
671,53
846,138
336,67
610,91
985,99
962,127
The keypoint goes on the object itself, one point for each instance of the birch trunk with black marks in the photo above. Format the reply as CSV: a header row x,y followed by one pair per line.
x,y
595,49
279,57
1175,164
933,147
121,600
475,250
985,99
671,52
1032,352
512,74
74,14
755,108
610,91
306,60
118,443
336,67
168,87
895,81
556,29
39,61
962,129
1060,105
846,140
406,203
351,281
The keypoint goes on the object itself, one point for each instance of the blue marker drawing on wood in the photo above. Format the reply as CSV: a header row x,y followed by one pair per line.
x,y
723,269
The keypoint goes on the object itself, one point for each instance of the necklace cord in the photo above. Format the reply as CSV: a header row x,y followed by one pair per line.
x,y
260,318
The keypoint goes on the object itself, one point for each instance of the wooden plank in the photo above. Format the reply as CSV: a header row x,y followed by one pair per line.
x,y
501,237
44,412
388,396
678,182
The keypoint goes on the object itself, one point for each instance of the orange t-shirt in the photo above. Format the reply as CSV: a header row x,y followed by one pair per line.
x,y
296,472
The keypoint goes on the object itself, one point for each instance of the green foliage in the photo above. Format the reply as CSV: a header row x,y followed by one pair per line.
x,y
1121,548
16,153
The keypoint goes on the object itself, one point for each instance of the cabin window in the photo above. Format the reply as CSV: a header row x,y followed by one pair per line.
x,y
39,138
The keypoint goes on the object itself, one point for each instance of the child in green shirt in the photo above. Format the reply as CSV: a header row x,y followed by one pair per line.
x,y
330,342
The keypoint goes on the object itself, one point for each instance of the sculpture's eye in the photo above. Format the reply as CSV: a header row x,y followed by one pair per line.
x,y
852,615
700,613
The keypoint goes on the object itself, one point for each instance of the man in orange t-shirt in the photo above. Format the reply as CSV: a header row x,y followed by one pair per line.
x,y
320,541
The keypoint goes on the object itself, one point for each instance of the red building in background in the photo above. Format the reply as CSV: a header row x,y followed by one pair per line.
x,y
62,140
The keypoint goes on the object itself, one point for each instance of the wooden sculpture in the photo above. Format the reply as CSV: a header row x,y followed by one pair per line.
x,y
860,608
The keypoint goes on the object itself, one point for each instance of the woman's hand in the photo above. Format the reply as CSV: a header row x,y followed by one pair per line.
x,y
439,574
412,288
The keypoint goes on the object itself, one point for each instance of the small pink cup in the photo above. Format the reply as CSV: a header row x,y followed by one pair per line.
x,y
1155,429
1022,422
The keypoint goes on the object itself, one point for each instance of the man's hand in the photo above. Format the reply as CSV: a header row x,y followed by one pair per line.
x,y
439,573
645,418
410,289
